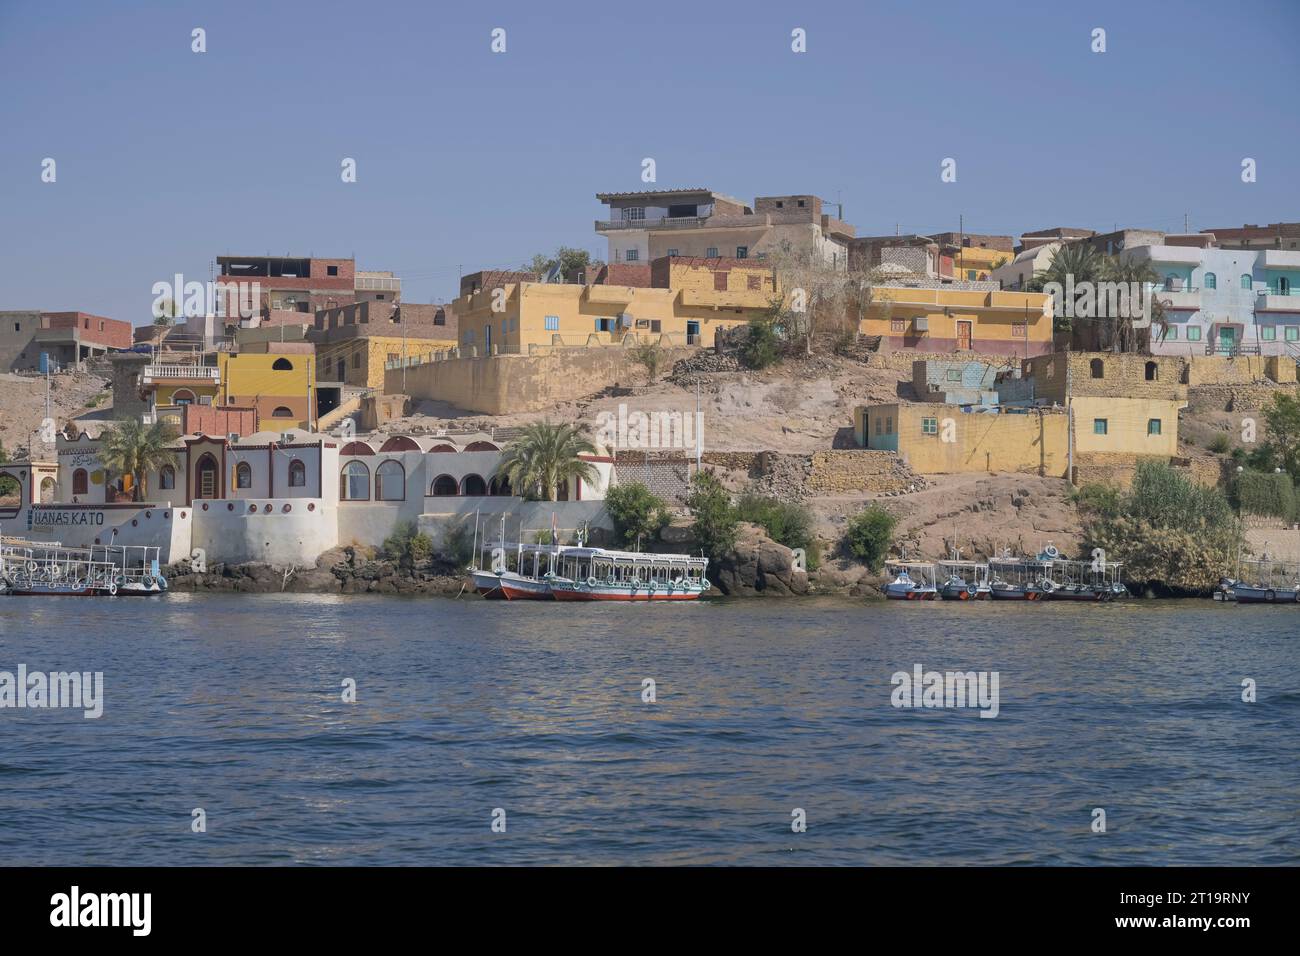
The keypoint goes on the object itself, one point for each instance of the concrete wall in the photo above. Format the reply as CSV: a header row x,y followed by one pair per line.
x,y
1127,425
160,526
443,514
506,384
272,531
943,439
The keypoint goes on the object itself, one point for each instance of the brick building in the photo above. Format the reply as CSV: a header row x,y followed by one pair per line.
x,y
64,338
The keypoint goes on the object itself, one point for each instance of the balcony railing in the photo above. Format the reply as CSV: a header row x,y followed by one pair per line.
x,y
199,372
377,284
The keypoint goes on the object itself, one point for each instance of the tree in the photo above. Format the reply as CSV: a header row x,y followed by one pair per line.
x,y
1119,332
650,356
1073,263
715,517
132,448
869,535
761,346
637,513
814,295
1282,445
568,259
8,486
544,456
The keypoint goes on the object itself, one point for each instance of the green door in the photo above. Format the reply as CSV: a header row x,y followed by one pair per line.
x,y
1227,339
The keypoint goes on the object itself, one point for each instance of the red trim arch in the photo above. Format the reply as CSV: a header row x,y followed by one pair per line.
x,y
443,448
399,443
481,446
357,448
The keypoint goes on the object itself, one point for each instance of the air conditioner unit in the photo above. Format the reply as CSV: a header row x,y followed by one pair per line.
x,y
232,437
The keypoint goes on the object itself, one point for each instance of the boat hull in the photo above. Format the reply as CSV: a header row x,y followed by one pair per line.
x,y
909,594
607,593
1245,594
1016,594
956,592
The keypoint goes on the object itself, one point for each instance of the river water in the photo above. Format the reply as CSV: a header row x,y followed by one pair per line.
x,y
232,704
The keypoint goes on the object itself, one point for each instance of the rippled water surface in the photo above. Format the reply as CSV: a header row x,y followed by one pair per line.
x,y
232,704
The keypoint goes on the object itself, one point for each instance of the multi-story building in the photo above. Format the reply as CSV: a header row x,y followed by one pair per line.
x,y
36,340
974,256
1225,301
1277,235
257,289
685,300
355,342
960,320
1019,271
946,258
1057,234
699,223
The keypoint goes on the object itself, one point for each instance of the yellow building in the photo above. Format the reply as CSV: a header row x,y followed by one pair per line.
x,y
975,263
277,384
952,320
938,439
681,302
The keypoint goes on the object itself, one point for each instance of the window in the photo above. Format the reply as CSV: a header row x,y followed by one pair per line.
x,y
282,411
604,325
80,482
719,282
972,275
672,252
1283,285
1097,368
633,255
354,482
1193,333
207,471
297,474
633,212
182,396
711,252
889,425
1211,280
742,252
282,365
166,478
1152,372
1153,426
473,485
1245,281
1268,333
1292,333
654,325
1171,332
801,203
754,283
1020,329
1099,426
243,475
879,425
390,482
331,270
643,323
954,375
444,486
929,426
552,323
898,325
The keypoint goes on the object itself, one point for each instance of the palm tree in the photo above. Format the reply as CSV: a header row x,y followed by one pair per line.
x,y
1132,273
544,456
1074,262
135,449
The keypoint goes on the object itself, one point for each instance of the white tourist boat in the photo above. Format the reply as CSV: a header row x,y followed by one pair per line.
x,y
598,574
530,580
38,568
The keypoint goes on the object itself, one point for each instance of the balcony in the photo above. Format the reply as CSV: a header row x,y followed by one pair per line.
x,y
199,374
377,284
1186,297
1280,258
1277,300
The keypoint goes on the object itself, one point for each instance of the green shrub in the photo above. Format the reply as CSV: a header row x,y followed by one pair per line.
x,y
407,545
1098,500
1273,494
870,533
715,520
637,513
1219,444
785,522
761,348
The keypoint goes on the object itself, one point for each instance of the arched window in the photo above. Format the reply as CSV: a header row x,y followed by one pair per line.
x,y
481,446
80,482
243,475
282,365
354,482
297,474
390,482
1153,372
1245,280
444,486
500,485
207,486
182,396
472,485
400,443
1098,368
356,448
166,478
282,411
1211,280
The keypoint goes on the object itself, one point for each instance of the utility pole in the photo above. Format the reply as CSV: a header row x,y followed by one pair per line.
x,y
1069,425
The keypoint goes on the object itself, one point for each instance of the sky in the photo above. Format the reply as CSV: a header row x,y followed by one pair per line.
x,y
467,159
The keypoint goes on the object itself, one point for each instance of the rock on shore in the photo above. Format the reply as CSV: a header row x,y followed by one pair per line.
x,y
340,571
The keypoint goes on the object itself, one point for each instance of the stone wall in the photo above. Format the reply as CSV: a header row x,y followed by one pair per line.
x,y
1118,469
506,384
1225,370
857,471
1234,398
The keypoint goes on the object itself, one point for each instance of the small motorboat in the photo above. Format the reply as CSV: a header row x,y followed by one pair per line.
x,y
956,589
912,581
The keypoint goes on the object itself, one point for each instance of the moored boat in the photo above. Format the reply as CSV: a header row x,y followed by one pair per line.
x,y
599,574
912,581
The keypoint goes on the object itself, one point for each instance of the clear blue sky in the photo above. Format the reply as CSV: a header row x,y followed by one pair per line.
x,y
167,158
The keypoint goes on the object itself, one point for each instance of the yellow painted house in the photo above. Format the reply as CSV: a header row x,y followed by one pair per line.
x,y
681,302
976,262
278,385
958,320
